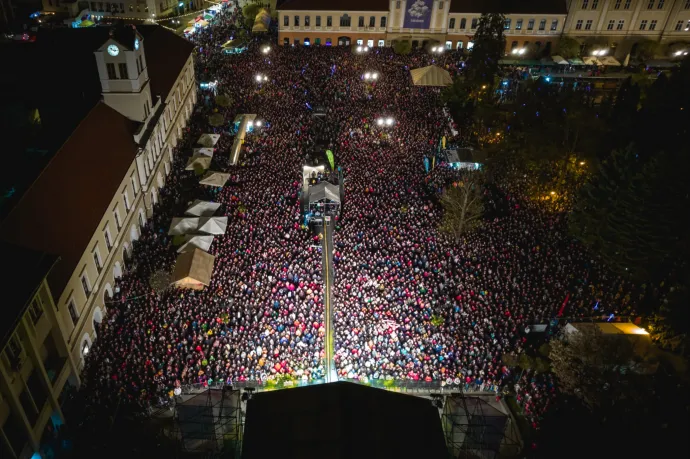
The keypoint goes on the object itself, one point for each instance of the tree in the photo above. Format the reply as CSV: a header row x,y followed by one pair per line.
x,y
463,205
223,100
489,46
647,49
216,120
568,47
402,47
593,367
250,11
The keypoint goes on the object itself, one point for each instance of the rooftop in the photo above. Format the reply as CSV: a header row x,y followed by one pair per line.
x,y
335,5
24,272
62,209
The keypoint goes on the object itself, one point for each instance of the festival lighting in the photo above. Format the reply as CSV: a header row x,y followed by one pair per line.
x,y
379,121
370,76
389,121
437,49
362,49
519,51
258,123
582,163
553,193
266,49
600,52
682,52
261,78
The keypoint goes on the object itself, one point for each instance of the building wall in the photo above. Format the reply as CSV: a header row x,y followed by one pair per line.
x,y
34,367
138,9
291,31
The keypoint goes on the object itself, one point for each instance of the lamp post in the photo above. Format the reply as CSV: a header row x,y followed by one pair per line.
x,y
362,49
385,122
261,78
370,76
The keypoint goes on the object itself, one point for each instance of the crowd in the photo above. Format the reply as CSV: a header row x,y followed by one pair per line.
x,y
408,303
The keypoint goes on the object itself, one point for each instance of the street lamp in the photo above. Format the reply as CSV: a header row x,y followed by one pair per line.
x,y
519,51
599,52
362,49
385,121
258,123
369,76
261,78
266,49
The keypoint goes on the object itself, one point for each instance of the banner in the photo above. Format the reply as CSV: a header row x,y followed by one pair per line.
x,y
418,15
331,161
426,164
443,142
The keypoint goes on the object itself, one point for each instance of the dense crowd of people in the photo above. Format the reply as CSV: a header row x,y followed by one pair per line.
x,y
408,302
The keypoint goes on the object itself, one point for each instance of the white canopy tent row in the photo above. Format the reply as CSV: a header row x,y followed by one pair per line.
x,y
201,208
196,241
183,225
203,151
214,178
208,140
198,162
212,225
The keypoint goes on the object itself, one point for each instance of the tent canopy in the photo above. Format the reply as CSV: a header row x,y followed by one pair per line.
x,y
203,151
559,60
431,76
576,61
208,140
324,190
198,162
212,225
609,60
213,178
591,60
193,269
183,225
196,241
201,208
261,21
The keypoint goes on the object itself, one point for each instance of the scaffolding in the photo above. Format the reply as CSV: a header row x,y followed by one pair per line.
x,y
476,427
210,424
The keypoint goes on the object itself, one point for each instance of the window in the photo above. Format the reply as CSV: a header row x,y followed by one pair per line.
x,y
345,20
141,214
687,26
106,235
679,25
381,43
286,21
372,21
383,21
513,45
463,24
141,63
138,67
650,5
36,309
617,5
620,24
116,213
595,3
329,21
110,67
660,5
585,4
610,25
542,24
296,21
85,285
122,8
97,260
440,5
318,21
506,25
123,71
451,24
652,24
360,23
687,4
643,24
307,21
470,45
588,24
554,25
627,4
578,24
397,5
133,181
518,24
286,41
73,312
329,42
530,24
125,197
449,45
459,45
474,23
360,42
370,43
14,348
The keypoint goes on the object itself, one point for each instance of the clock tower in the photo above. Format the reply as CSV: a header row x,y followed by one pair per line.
x,y
124,77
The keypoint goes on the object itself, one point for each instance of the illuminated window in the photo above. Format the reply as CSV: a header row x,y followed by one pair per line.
x,y
470,45
449,45
554,25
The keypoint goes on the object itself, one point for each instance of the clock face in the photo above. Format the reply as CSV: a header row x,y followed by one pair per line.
x,y
136,43
113,50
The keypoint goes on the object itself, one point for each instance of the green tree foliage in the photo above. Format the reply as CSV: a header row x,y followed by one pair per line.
x,y
463,206
568,47
216,120
489,47
223,100
402,47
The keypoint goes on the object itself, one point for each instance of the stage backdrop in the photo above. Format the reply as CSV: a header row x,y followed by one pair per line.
x,y
418,14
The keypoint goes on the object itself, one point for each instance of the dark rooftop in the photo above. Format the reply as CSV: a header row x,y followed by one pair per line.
x,y
336,5
509,6
341,420
24,271
61,210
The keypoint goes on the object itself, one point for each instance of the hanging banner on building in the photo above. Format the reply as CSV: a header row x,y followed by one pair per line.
x,y
418,14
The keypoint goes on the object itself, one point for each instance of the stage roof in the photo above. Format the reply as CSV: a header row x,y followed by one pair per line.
x,y
341,420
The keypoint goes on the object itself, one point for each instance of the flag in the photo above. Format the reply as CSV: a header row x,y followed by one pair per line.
x,y
433,162
426,164
331,161
443,142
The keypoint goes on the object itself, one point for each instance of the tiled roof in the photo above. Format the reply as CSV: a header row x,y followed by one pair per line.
x,y
166,56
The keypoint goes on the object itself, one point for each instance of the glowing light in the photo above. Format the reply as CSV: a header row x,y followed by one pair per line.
x,y
483,86
379,121
553,193
582,163
365,49
359,49
375,75
266,50
258,123
389,122
367,76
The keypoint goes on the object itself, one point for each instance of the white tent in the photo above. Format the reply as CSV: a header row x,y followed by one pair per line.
x,y
198,162
193,269
591,60
196,241
431,76
324,190
183,225
203,151
609,60
208,140
213,178
213,225
201,208
559,60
